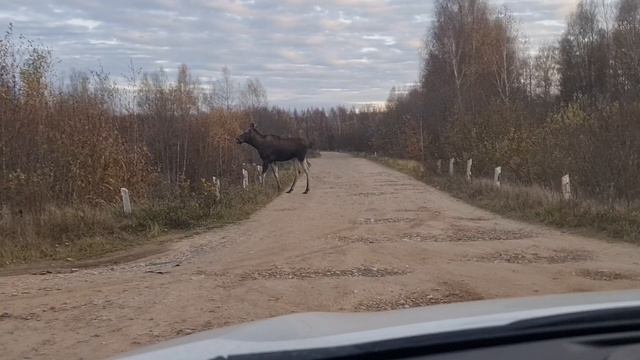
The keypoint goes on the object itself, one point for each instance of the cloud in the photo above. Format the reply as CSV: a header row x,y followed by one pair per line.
x,y
387,40
292,56
233,8
305,53
333,25
288,21
86,23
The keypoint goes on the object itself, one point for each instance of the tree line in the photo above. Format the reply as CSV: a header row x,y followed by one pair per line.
x,y
571,106
76,139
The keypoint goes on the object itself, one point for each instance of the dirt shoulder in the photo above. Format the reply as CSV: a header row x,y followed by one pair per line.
x,y
366,238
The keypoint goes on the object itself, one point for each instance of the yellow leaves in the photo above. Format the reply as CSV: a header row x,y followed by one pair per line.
x,y
571,116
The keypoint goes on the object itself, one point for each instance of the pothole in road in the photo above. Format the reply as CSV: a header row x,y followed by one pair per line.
x,y
557,256
284,209
360,239
280,273
392,220
469,234
606,275
421,209
477,218
385,183
418,299
370,194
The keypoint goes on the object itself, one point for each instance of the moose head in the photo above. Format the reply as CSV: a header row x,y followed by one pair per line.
x,y
246,136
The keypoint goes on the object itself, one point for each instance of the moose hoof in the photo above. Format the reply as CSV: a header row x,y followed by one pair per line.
x,y
306,191
289,192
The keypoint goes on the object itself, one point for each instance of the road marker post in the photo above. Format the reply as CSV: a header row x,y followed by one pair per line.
x,y
451,169
496,175
245,179
469,163
216,187
566,187
259,176
126,203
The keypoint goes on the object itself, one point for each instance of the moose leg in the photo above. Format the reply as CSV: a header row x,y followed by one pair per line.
x,y
296,170
274,167
305,167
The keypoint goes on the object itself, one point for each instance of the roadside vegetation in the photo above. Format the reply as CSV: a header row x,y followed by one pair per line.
x,y
570,107
68,143
530,202
84,231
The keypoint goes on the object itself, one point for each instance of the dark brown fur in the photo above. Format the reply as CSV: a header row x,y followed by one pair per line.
x,y
274,148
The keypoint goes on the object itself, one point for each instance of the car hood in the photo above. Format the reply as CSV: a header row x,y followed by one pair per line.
x,y
321,330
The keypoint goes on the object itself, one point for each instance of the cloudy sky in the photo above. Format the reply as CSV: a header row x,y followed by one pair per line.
x,y
305,52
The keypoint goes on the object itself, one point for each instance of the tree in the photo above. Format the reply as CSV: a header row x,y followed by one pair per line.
x,y
626,44
545,66
225,90
503,56
253,95
584,60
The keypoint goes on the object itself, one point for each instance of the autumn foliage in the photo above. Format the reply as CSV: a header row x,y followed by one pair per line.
x,y
69,143
566,108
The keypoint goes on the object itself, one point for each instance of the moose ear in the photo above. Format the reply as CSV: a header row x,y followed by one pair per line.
x,y
253,126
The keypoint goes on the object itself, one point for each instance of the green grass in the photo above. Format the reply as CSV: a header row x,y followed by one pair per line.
x,y
84,232
531,203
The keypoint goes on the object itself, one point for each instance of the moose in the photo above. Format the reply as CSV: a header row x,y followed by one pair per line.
x,y
274,148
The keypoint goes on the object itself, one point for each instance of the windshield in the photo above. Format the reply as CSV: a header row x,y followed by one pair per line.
x,y
173,167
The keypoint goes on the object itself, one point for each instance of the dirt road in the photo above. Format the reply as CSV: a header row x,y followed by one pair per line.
x,y
366,238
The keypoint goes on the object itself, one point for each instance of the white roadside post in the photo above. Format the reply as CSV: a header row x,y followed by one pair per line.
x,y
259,177
469,163
216,186
245,179
566,187
439,166
496,175
451,162
126,203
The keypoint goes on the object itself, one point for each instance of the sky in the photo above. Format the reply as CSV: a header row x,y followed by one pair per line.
x,y
305,53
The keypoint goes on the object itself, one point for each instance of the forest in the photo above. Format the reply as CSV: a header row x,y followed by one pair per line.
x,y
570,107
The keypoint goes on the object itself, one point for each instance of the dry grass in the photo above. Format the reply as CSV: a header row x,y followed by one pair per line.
x,y
60,233
531,203
81,232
